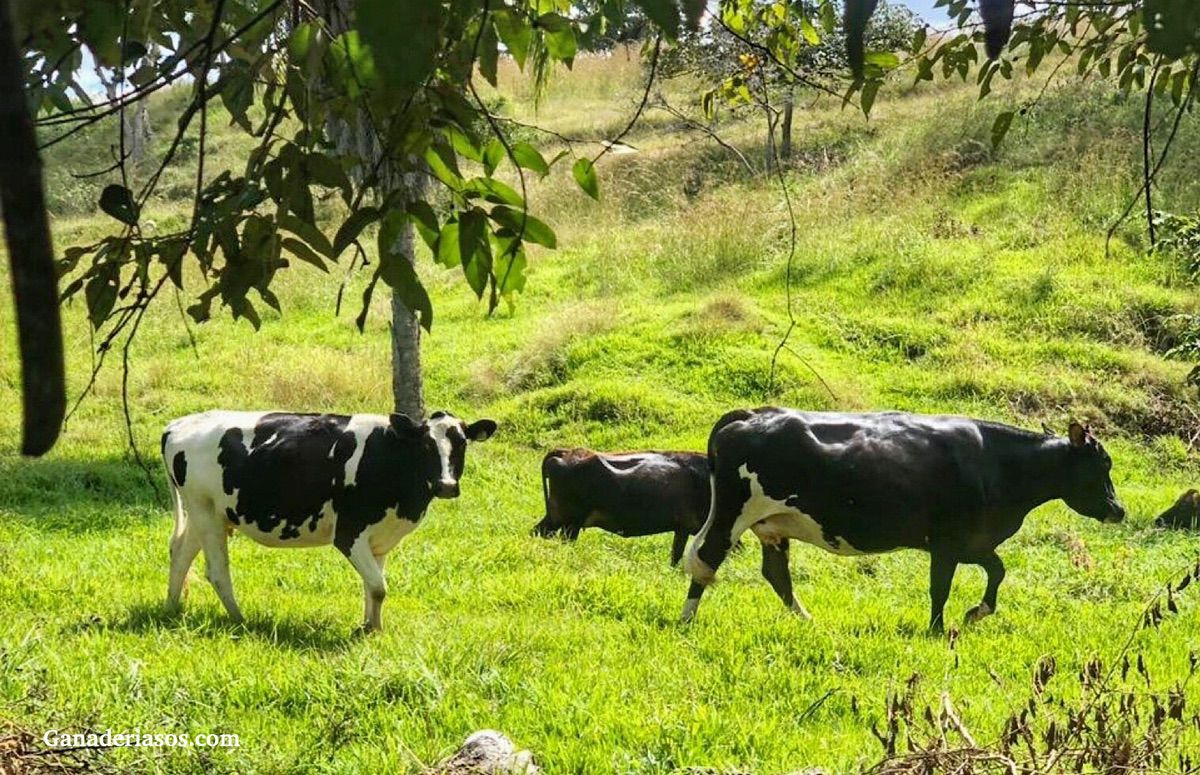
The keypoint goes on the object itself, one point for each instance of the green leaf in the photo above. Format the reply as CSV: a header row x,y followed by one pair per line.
x,y
809,32
528,157
918,41
117,201
397,269
326,171
1000,127
664,14
488,57
448,246
352,227
828,17
584,173
884,59
472,226
304,253
533,230
867,98
561,44
516,34
493,154
404,39
308,233
100,27
443,165
425,220
101,295
495,191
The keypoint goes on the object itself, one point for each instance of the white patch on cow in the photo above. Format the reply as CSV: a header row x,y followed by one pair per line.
x,y
361,425
439,429
385,534
773,520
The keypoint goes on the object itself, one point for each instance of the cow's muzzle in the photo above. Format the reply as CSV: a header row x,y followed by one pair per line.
x,y
445,489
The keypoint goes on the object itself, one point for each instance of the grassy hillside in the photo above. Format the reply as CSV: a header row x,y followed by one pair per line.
x,y
929,274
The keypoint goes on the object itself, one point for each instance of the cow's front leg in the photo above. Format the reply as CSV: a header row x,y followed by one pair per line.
x,y
941,574
370,568
775,570
994,567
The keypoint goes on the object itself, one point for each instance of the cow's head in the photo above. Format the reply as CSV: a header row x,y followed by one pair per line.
x,y
443,439
1089,488
1184,514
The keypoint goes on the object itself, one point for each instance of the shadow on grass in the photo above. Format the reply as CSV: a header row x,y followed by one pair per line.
x,y
54,492
285,631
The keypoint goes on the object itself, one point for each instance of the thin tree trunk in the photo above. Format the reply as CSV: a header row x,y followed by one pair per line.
x,y
30,254
785,131
406,331
769,148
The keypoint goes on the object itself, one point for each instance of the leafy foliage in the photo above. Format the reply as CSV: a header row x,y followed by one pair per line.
x,y
300,79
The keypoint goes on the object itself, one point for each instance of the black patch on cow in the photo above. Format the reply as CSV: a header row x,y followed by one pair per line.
x,y
179,468
296,464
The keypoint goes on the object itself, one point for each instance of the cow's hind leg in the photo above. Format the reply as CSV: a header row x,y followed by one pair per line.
x,y
994,567
214,539
775,571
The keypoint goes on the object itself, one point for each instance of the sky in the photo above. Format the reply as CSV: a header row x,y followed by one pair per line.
x,y
924,8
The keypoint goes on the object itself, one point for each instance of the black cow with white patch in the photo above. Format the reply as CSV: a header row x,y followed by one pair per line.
x,y
360,482
626,493
868,483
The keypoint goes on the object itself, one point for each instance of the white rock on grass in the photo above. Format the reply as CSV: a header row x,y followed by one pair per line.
x,y
488,752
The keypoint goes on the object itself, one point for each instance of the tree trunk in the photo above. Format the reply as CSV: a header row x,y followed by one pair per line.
x,y
30,255
785,131
362,141
769,147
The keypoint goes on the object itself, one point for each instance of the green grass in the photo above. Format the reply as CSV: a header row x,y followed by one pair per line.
x,y
930,274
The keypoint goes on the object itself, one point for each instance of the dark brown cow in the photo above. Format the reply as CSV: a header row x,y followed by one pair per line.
x,y
1184,515
627,493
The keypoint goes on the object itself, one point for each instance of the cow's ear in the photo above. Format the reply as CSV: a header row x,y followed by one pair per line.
x,y
481,430
1078,434
404,425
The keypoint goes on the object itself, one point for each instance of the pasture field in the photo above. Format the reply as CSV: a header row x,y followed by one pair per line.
x,y
930,274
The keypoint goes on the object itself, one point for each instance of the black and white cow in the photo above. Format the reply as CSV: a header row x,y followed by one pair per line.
x,y
627,493
360,482
868,483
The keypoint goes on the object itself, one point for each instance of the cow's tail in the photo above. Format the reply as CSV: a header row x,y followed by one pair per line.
x,y
173,488
550,464
692,565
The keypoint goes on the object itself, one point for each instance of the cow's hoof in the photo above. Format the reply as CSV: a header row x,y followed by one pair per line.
x,y
977,613
800,610
689,610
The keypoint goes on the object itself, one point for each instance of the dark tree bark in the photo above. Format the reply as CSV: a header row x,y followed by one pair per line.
x,y
31,255
785,130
